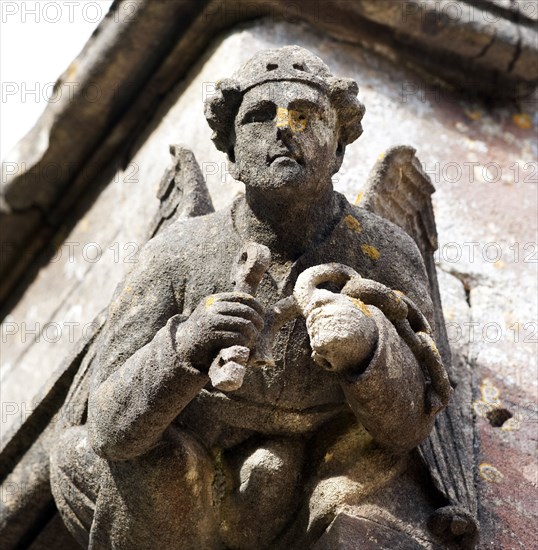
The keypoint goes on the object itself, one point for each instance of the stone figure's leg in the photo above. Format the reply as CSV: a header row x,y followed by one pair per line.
x,y
263,491
362,528
345,468
396,517
361,495
162,499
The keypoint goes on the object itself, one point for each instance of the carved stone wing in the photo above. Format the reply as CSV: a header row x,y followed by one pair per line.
x,y
27,501
183,192
400,191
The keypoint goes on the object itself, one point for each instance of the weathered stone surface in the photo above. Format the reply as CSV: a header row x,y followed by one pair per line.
x,y
346,530
284,122
452,135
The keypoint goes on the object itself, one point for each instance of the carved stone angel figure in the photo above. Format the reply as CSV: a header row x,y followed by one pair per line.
x,y
267,375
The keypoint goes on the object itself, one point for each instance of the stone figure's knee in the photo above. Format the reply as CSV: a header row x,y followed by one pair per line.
x,y
179,466
264,481
277,462
164,495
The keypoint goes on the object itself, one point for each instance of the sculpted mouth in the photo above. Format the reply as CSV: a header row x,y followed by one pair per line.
x,y
283,155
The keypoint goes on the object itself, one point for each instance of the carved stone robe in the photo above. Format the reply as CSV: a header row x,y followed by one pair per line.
x,y
145,401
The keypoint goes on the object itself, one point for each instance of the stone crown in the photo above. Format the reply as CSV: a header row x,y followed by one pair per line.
x,y
290,63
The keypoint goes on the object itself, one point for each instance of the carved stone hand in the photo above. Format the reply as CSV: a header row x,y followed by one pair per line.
x,y
219,321
342,333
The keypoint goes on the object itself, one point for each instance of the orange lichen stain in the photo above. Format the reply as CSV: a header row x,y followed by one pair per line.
x,y
370,251
523,121
499,264
128,289
362,306
490,473
209,301
473,115
328,457
352,223
359,197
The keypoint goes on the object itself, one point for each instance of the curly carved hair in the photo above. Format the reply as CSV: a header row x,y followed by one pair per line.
x,y
290,63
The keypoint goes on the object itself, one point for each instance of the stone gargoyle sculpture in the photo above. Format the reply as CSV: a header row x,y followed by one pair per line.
x,y
268,374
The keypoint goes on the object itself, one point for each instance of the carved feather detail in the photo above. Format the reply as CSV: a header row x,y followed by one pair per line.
x,y
400,191
183,191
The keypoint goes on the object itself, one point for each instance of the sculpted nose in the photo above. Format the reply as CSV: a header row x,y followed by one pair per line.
x,y
282,121
289,121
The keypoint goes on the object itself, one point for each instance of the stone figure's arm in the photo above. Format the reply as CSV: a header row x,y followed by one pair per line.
x,y
387,392
382,380
141,382
153,361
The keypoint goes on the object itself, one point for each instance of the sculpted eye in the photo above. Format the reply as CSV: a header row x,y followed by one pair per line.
x,y
307,111
262,113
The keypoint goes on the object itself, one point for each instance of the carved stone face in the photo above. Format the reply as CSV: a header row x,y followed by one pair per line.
x,y
286,137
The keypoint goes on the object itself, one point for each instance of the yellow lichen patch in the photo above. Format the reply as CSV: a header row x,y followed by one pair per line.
x,y
282,117
209,301
328,457
499,264
362,306
481,408
473,115
490,393
191,475
381,156
490,399
370,251
359,197
352,223
490,473
523,121
289,118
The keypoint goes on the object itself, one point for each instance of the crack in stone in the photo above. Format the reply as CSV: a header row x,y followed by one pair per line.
x,y
517,52
488,46
468,281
